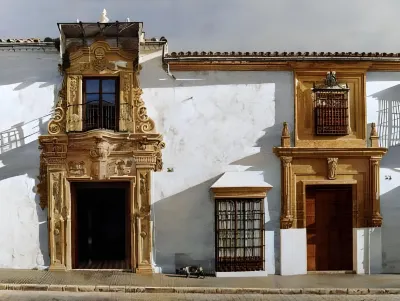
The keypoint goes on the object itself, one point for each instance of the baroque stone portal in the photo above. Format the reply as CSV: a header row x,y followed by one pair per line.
x,y
69,154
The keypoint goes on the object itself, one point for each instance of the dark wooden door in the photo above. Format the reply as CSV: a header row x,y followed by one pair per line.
x,y
329,228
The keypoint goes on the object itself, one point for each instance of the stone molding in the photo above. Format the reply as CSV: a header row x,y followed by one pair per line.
x,y
302,166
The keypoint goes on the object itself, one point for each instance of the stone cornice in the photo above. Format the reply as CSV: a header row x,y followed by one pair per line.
x,y
298,152
240,192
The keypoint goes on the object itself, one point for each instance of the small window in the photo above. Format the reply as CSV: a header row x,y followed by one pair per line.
x,y
100,104
239,235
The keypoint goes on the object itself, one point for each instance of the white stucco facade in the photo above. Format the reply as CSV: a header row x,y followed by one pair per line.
x,y
228,121
28,83
213,123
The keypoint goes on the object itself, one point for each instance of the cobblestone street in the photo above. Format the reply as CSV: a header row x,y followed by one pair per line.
x,y
54,296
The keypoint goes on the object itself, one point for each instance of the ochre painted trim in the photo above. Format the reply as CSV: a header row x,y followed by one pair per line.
x,y
240,192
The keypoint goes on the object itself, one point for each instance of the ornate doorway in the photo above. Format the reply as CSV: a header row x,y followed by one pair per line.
x,y
92,141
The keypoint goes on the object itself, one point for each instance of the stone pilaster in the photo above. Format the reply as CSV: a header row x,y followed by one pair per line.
x,y
376,218
286,205
58,217
143,220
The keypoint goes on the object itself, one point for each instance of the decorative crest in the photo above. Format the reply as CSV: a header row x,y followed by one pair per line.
x,y
330,83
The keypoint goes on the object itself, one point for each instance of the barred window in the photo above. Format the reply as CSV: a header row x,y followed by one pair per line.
x,y
331,107
239,235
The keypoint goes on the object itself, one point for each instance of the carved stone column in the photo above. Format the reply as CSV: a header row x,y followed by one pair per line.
x,y
376,218
143,220
286,205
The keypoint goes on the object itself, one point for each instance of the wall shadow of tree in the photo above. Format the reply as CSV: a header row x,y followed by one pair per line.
x,y
184,222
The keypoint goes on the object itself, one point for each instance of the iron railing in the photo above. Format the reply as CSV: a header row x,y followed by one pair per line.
x,y
239,235
102,116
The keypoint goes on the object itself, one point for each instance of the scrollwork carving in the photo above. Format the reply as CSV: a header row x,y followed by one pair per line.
x,y
57,122
144,124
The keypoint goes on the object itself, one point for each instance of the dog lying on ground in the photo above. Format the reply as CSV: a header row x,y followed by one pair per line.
x,y
191,270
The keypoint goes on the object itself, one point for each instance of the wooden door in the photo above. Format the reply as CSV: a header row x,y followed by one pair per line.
x,y
329,228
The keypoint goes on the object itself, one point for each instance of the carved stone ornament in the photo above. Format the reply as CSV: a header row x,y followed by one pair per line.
x,y
332,167
374,132
98,155
101,150
143,184
57,124
76,169
123,167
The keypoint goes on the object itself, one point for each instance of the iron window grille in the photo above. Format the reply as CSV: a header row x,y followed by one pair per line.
x,y
331,107
239,235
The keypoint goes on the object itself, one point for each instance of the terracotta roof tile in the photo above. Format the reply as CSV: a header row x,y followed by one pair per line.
x,y
26,40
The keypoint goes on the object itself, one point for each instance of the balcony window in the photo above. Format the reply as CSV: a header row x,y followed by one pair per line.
x,y
100,103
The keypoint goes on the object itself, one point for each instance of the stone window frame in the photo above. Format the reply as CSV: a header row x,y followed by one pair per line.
x,y
249,194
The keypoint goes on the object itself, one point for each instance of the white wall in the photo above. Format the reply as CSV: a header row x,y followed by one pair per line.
x,y
212,122
383,108
27,87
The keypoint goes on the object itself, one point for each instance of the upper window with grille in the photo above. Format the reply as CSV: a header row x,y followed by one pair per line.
x,y
331,107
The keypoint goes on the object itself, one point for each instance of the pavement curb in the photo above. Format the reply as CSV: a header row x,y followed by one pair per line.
x,y
198,290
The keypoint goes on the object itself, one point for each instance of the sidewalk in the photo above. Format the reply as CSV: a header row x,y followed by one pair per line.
x,y
128,282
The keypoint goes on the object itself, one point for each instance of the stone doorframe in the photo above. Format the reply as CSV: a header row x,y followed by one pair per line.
x,y
98,156
300,165
69,154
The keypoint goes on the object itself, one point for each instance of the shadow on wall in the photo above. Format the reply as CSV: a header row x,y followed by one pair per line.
x,y
184,222
389,135
21,158
184,229
388,116
27,68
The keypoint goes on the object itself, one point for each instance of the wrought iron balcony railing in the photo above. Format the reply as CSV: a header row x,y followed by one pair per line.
x,y
94,115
